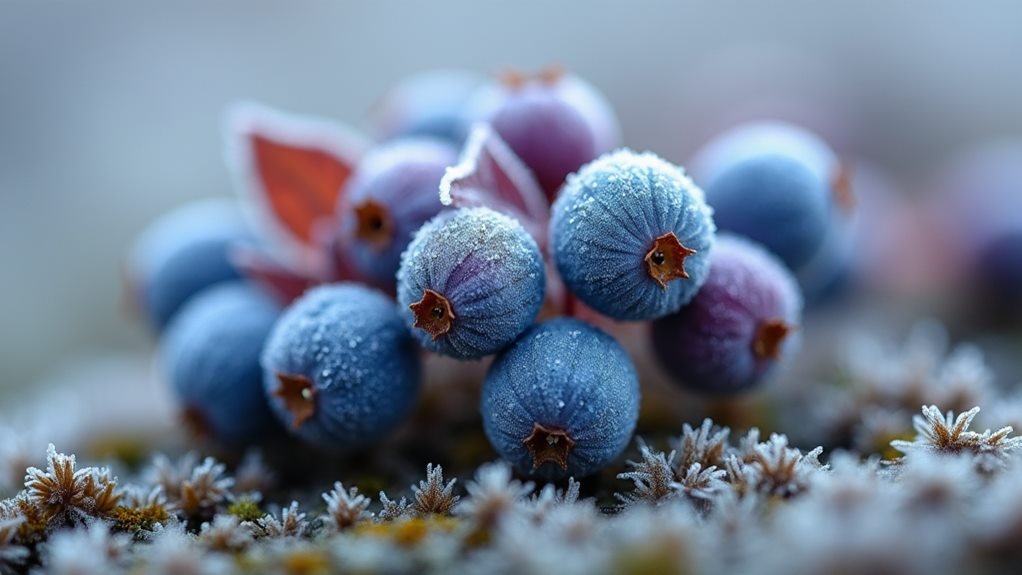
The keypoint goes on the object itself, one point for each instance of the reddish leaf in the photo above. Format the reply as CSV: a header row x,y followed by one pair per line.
x,y
292,170
490,174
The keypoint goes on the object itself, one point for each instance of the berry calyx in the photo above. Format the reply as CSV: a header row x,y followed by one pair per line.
x,y
769,336
433,314
665,260
373,223
841,188
299,397
196,422
548,444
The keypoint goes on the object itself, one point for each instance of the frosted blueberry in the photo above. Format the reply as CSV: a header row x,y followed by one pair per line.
x,y
182,253
470,282
340,367
631,236
562,401
739,325
210,354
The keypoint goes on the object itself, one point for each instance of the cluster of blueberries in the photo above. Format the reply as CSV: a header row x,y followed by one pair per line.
x,y
493,217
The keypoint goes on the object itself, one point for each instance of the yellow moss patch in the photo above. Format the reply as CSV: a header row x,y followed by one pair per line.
x,y
135,519
408,532
306,562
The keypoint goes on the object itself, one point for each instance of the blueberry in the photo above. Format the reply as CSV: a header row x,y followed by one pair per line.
x,y
430,103
470,282
391,194
776,184
339,366
739,325
210,353
182,253
562,401
631,236
981,221
554,122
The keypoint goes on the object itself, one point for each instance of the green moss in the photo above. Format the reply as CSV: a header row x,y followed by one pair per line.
x,y
245,510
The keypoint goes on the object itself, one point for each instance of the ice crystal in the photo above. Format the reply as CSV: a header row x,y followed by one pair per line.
x,y
206,487
492,495
62,493
653,477
706,446
950,435
225,533
345,508
701,484
432,495
392,509
291,523
550,497
774,469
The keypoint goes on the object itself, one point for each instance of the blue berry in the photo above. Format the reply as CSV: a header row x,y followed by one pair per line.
x,y
738,326
776,184
631,236
563,400
554,122
391,194
427,104
183,253
470,282
981,221
210,353
339,367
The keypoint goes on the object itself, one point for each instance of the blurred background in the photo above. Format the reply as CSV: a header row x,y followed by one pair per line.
x,y
110,112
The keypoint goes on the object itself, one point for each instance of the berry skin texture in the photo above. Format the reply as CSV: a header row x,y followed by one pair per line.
x,y
740,325
391,194
562,401
470,282
210,354
181,254
554,122
339,367
631,236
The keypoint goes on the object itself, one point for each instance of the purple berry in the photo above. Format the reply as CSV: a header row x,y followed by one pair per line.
x,y
210,353
391,194
554,122
427,104
339,367
739,325
182,253
470,282
631,236
562,401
